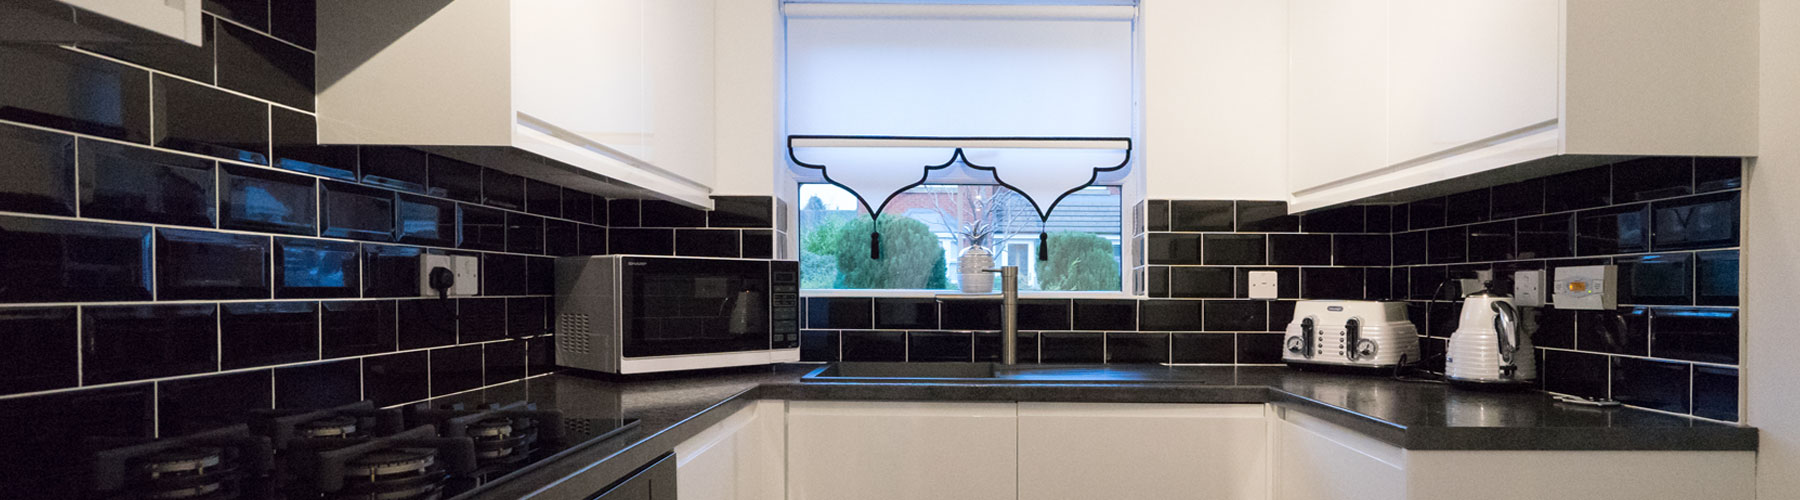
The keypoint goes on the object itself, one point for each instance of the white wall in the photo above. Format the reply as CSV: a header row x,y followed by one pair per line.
x,y
1215,98
1772,259
747,97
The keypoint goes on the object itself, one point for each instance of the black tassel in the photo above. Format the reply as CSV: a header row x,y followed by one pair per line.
x,y
875,246
1043,246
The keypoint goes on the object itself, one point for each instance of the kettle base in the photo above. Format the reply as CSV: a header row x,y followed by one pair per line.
x,y
1492,385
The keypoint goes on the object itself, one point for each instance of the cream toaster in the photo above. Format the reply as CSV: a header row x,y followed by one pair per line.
x,y
1350,333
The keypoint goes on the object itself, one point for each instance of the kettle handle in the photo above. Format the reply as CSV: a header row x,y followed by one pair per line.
x,y
1506,327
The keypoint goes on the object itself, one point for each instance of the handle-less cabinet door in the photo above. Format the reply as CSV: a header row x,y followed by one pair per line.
x,y
655,481
179,19
1468,70
579,64
1337,90
1149,451
902,451
1317,460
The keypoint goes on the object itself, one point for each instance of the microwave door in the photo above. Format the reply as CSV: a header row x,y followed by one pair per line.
x,y
674,307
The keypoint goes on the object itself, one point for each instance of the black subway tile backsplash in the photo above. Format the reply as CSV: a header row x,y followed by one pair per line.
x,y
543,198
316,269
197,404
1648,383
1134,347
1585,188
1236,316
198,119
1157,218
56,88
1348,219
390,271
1258,348
355,328
318,385
1268,216
1201,282
1707,335
202,265
1235,249
1427,213
267,333
1362,250
1658,279
741,211
1577,373
1411,248
940,346
503,274
1623,229
840,313
67,261
502,362
482,228
129,183
524,233
1447,246
1716,392
396,378
455,179
1169,315
1707,221
758,244
1626,331
1168,248
257,199
641,241
1071,347
426,323
1104,314
393,167
873,345
1716,278
1491,241
294,139
561,238
661,213
1203,348
1201,215
39,173
37,349
501,189
1300,249
970,315
1331,283
528,316
906,314
578,206
1517,199
483,319
623,213
1714,174
455,369
123,343
259,65
818,345
426,221
988,347
1652,178
1467,207
355,212
707,243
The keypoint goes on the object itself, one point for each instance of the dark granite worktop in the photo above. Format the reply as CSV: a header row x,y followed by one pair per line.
x,y
1410,415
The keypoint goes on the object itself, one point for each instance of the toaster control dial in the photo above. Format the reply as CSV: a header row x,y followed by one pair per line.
x,y
1295,345
1365,348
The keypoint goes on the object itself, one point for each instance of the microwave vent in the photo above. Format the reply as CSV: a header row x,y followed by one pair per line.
x,y
573,333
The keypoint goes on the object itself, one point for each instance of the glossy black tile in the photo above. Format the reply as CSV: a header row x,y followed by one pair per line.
x,y
759,244
425,221
482,319
190,405
209,121
1651,384
1694,334
1267,216
579,207
1576,373
840,313
1380,219
1167,248
592,240
641,241
1203,348
296,147
1335,220
1615,230
426,323
1467,207
1281,312
1447,246
1441,320
660,213
1411,248
1707,221
524,233
355,212
543,198
1235,249
395,378
1555,328
39,451
1300,249
540,276
1361,250
256,199
67,261
503,362
1287,282
1652,178
561,238
355,328
315,269
873,346
390,271
502,189
1492,241
1713,174
252,13
1427,213
988,347
184,59
37,349
906,314
1331,283
39,173
455,179
1716,278
1422,284
1201,282
1157,218
1133,347
294,21
502,274
940,347
1518,199
267,333
1578,189
540,356
144,185
1716,393
818,345
1431,352
1236,316
1259,348
970,315
482,228
1660,279
527,316
1169,315
741,211
622,213
318,385
202,265
1626,331
1156,281
707,243
1549,236
1201,215
394,167
138,342
1072,347
259,65
1105,314
61,89
1044,314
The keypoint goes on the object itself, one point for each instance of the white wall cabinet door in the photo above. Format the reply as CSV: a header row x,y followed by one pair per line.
x,y
1142,451
902,451
678,64
1464,71
1316,460
579,64
1337,90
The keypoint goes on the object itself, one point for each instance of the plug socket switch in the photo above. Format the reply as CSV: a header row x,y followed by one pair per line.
x,y
1264,284
465,271
1528,288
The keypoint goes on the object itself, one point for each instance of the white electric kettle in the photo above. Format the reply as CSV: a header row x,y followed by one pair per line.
x,y
1488,347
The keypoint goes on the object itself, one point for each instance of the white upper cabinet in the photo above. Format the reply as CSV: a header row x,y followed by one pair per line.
x,y
620,89
1386,95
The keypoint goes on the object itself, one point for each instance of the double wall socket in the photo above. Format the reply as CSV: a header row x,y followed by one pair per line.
x,y
466,268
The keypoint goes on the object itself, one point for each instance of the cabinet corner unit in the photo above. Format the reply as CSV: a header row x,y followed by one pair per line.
x,y
1395,94
620,89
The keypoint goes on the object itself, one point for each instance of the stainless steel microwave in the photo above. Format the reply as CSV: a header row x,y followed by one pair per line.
x,y
636,314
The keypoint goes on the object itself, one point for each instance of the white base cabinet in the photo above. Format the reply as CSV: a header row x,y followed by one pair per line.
x,y
902,451
1080,451
1315,460
743,457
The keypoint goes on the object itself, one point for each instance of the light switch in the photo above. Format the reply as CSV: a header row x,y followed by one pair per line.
x,y
1264,284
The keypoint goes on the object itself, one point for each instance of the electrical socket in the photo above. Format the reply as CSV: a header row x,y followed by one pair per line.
x,y
1528,288
466,268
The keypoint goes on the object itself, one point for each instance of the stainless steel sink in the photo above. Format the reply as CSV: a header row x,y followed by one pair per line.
x,y
902,371
1000,373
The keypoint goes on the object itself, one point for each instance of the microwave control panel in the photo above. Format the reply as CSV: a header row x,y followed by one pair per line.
x,y
784,304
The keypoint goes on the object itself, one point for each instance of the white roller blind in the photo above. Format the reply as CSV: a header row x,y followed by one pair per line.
x,y
1037,73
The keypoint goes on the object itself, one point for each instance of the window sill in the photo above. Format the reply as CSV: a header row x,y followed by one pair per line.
x,y
808,293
